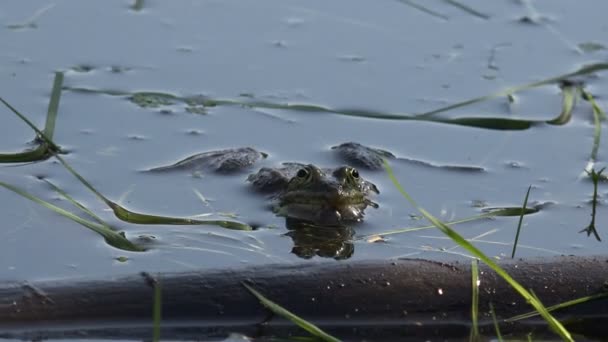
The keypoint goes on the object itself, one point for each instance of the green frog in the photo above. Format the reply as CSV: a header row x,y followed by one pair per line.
x,y
322,196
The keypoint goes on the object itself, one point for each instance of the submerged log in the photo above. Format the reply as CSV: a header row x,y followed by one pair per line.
x,y
412,296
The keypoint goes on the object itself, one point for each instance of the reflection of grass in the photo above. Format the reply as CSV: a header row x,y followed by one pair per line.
x,y
554,324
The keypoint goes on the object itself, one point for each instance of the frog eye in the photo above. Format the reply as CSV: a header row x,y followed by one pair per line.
x,y
302,173
354,173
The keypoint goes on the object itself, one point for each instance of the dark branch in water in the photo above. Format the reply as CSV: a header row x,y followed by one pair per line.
x,y
366,294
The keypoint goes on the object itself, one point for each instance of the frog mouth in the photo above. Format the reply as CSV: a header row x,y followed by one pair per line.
x,y
324,209
322,199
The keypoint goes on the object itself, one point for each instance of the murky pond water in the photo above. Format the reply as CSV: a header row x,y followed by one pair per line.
x,y
384,56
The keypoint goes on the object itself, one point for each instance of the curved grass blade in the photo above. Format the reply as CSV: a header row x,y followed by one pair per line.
x,y
41,152
138,218
569,96
112,237
502,124
554,324
521,220
279,310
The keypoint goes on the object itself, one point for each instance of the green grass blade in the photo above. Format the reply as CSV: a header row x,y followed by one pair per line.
x,y
569,96
474,300
502,124
41,152
113,238
554,324
138,218
560,306
279,310
51,115
521,220
495,321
